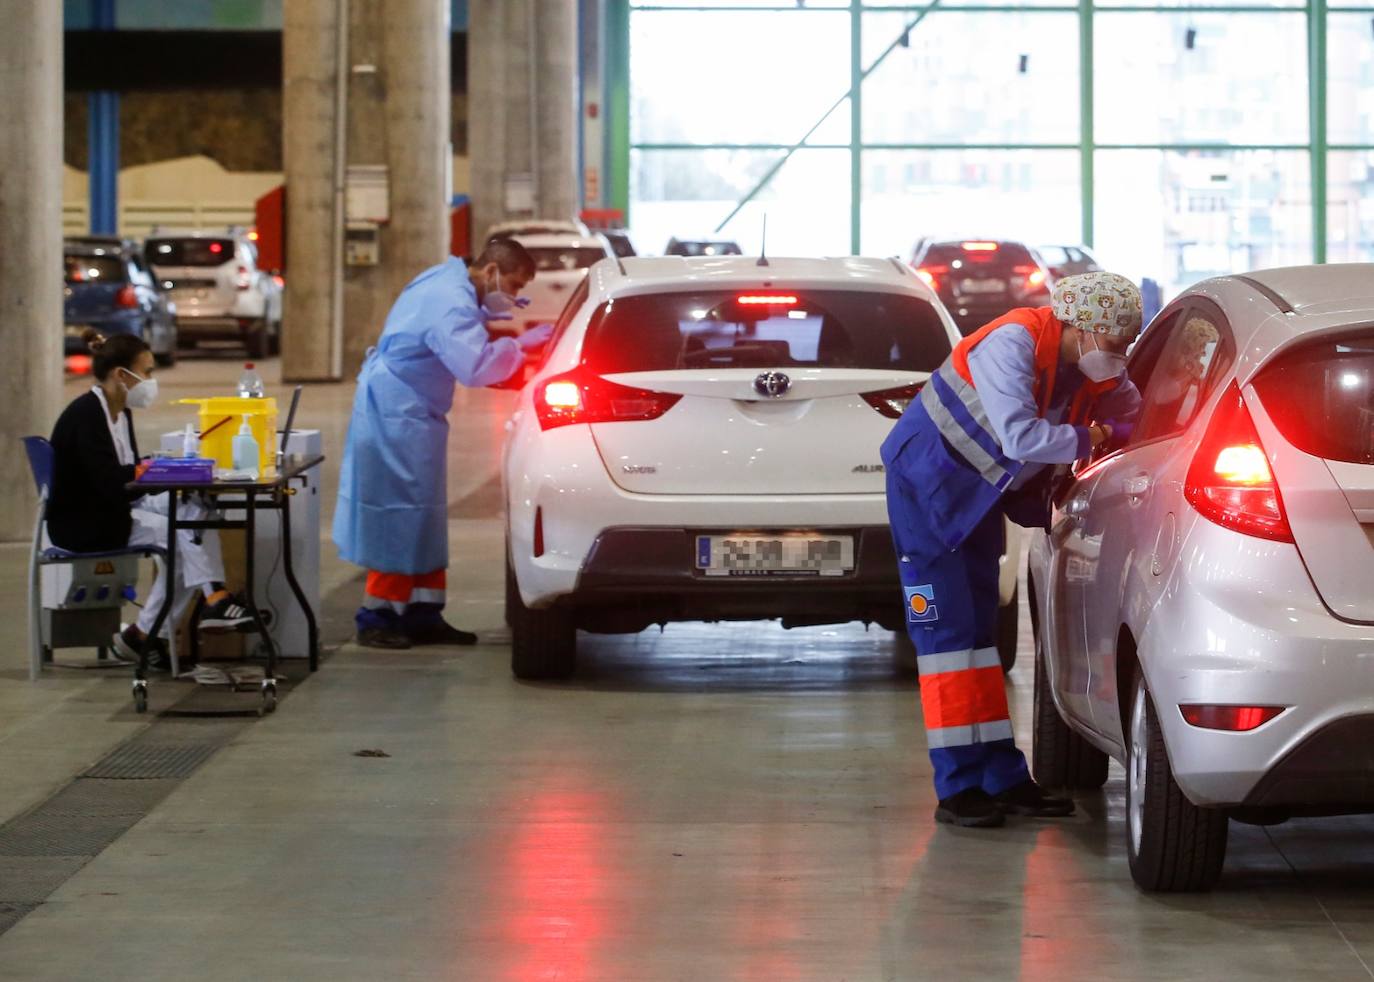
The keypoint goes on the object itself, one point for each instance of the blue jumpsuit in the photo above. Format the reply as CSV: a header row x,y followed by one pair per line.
x,y
947,525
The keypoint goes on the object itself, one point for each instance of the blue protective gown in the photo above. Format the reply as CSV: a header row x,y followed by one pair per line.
x,y
392,513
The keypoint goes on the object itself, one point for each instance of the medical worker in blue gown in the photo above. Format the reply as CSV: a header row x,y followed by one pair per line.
x,y
392,515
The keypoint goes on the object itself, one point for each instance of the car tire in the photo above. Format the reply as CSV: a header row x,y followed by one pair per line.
x,y
274,338
1173,845
543,641
256,341
167,358
1060,758
1008,624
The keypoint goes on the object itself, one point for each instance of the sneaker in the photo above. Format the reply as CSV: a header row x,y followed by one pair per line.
x,y
127,644
383,637
1029,798
971,808
225,614
438,632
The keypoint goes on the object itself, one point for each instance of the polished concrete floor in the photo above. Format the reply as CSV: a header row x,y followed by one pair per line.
x,y
715,802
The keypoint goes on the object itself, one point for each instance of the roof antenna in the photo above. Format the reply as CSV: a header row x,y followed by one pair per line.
x,y
763,247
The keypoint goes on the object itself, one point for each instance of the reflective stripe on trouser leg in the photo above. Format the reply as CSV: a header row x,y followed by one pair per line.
x,y
952,620
397,591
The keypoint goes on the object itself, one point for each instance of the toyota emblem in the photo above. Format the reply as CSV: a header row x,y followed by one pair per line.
x,y
774,385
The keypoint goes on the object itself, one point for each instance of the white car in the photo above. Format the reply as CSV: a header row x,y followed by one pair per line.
x,y
536,226
1204,601
560,263
219,291
701,443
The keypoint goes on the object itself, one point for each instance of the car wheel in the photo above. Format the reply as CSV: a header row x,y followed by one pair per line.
x,y
543,642
1008,618
1060,758
167,358
1173,844
274,338
255,339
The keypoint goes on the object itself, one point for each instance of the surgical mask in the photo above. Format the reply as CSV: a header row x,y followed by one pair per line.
x,y
1098,365
144,392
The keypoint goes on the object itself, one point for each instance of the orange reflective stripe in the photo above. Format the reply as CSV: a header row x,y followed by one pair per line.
x,y
436,580
389,586
963,698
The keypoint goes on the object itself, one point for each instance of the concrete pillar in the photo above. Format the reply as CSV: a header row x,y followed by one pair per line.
x,y
522,109
31,230
312,346
398,117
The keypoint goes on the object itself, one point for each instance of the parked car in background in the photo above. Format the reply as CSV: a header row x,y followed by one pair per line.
x,y
561,262
537,226
701,247
107,287
1064,261
701,443
1203,603
220,292
620,242
979,280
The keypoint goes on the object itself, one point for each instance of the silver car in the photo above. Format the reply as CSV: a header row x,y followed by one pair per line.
x,y
1203,604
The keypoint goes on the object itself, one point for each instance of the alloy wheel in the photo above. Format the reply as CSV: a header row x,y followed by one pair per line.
x,y
1137,773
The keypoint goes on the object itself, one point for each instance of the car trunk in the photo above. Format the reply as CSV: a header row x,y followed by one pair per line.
x,y
1317,424
90,301
724,437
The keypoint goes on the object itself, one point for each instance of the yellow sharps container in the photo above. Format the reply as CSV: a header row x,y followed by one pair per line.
x,y
220,419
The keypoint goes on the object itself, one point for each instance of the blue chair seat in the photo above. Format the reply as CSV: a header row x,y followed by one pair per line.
x,y
56,555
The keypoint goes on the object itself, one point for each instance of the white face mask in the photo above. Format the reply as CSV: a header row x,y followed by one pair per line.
x,y
143,393
1098,365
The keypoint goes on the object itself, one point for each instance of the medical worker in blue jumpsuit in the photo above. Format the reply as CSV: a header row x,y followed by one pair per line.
x,y
392,515
1036,387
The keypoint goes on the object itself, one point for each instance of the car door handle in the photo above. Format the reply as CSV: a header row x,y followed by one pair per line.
x,y
1135,487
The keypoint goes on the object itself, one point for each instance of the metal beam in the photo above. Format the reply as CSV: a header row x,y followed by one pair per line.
x,y
1316,86
1086,148
616,106
856,124
102,140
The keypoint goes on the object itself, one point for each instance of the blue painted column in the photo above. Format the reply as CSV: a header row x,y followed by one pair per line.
x,y
102,140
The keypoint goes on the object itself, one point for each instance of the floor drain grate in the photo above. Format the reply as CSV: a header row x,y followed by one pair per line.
x,y
142,762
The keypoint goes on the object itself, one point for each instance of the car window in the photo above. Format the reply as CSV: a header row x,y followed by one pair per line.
x,y
1195,350
190,252
715,329
93,269
1321,396
1054,255
559,260
570,309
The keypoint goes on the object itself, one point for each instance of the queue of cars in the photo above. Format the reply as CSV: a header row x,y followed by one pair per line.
x,y
174,290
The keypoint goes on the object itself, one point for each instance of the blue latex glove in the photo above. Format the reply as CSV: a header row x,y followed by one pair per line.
x,y
1121,430
522,302
535,337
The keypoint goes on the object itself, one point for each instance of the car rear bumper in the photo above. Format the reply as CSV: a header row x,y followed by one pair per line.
x,y
635,577
1246,628
1331,772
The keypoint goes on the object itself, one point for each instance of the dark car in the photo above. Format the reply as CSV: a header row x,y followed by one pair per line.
x,y
620,242
979,280
701,247
108,287
1065,261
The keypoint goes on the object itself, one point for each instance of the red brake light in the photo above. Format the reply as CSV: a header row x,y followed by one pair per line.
x,y
1229,481
1237,718
126,297
930,275
582,398
1036,278
216,248
980,247
765,300
893,402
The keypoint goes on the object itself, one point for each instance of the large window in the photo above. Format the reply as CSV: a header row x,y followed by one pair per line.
x,y
1198,140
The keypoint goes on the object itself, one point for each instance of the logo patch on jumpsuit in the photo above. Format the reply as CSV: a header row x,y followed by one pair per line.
x,y
920,604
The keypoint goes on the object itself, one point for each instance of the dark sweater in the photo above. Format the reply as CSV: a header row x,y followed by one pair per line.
x,y
88,508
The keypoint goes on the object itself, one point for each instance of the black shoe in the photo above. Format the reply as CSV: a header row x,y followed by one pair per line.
x,y
225,614
1029,798
438,632
128,644
383,637
970,809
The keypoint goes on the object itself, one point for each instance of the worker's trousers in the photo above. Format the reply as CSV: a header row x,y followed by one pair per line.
x,y
397,601
951,614
199,560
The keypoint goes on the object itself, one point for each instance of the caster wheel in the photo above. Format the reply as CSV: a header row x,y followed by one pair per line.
x,y
269,700
140,700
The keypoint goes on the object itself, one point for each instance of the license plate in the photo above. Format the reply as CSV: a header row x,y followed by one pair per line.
x,y
775,555
982,286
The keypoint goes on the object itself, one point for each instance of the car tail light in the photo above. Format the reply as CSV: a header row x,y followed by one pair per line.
x,y
893,402
1229,481
126,297
1235,718
1031,279
242,282
766,300
582,398
980,246
930,276
538,547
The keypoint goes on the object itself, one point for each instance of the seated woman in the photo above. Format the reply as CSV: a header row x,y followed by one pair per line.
x,y
90,510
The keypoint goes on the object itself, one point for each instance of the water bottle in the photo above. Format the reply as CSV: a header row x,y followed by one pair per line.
x,y
245,449
250,383
190,442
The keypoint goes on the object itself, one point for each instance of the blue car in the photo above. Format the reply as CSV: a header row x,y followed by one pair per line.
x,y
109,288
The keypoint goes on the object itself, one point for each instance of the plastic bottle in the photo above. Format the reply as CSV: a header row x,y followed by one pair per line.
x,y
245,449
250,383
190,442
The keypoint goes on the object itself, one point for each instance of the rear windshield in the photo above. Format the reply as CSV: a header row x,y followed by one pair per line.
x,y
189,252
562,260
769,329
978,253
1321,397
93,269
704,249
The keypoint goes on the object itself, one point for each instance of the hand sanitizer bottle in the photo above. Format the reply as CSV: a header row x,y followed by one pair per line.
x,y
190,443
245,449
